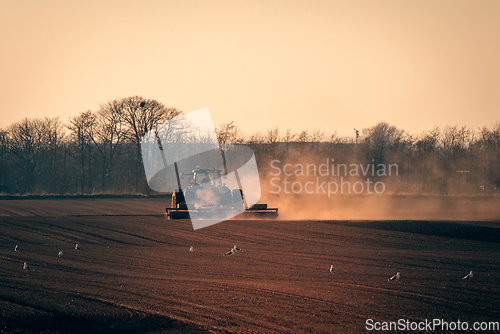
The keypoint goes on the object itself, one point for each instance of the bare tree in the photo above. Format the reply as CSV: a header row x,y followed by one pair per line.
x,y
25,140
455,143
426,147
64,144
107,136
273,135
140,116
3,160
256,138
82,128
378,140
53,135
229,133
288,136
303,137
336,139
489,140
317,136
429,141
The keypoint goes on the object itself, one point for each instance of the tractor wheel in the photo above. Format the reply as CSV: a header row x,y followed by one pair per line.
x,y
177,198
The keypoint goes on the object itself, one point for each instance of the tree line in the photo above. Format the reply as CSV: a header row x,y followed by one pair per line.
x,y
94,152
455,160
100,152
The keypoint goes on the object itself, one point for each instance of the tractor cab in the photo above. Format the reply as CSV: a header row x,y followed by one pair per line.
x,y
206,177
206,189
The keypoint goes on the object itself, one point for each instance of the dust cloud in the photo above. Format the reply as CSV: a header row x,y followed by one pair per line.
x,y
317,187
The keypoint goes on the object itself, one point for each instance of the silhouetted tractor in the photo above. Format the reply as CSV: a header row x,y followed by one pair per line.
x,y
207,194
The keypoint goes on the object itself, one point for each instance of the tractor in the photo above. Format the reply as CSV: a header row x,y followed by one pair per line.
x,y
208,194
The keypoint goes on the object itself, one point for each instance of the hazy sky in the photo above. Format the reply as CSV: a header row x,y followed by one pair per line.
x,y
334,65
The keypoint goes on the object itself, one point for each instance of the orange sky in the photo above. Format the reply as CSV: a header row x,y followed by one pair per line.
x,y
334,65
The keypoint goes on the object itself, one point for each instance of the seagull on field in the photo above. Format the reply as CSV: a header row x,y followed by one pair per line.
x,y
231,252
61,253
332,270
25,267
395,277
191,249
17,248
469,275
237,249
77,247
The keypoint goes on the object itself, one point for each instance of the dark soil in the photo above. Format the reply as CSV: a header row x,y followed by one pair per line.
x,y
135,273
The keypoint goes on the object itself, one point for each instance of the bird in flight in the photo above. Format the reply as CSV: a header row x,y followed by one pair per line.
x,y
231,252
469,275
395,277
25,267
61,253
77,247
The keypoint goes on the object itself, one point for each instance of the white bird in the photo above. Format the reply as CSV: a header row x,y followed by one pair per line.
x,y
395,277
237,249
469,275
61,253
25,267
332,270
231,252
191,249
77,247
17,248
